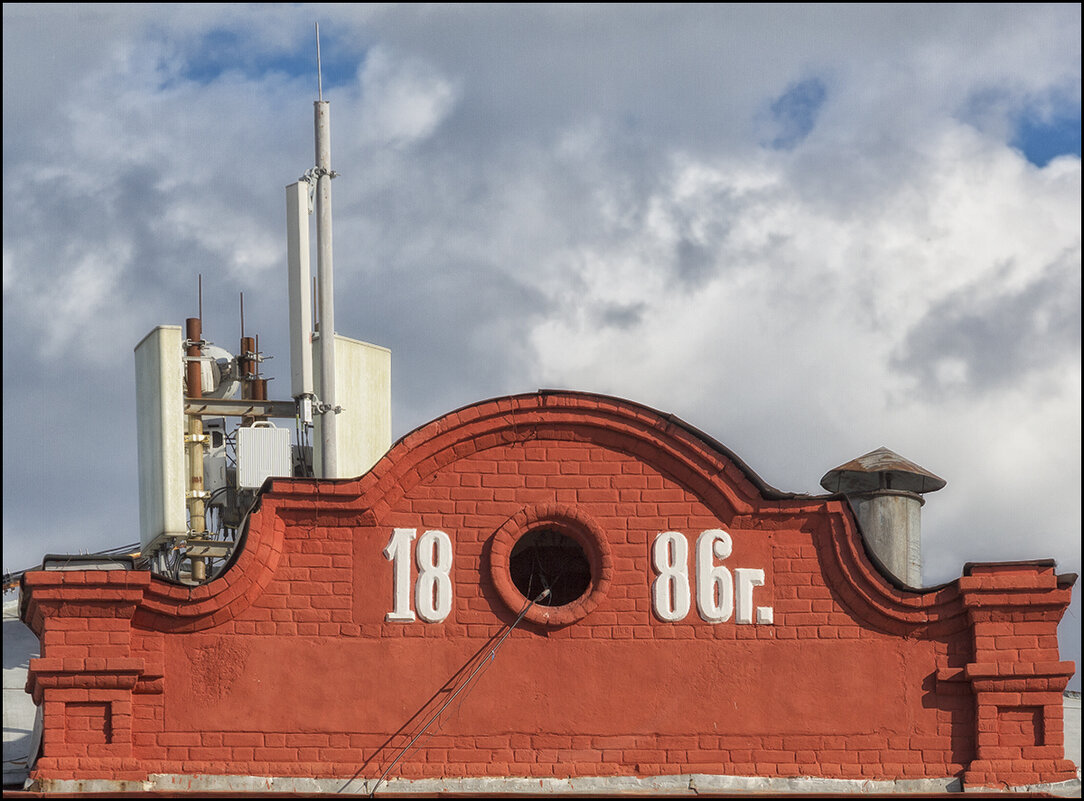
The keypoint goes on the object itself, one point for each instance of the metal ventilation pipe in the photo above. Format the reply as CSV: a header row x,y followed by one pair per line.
x,y
885,491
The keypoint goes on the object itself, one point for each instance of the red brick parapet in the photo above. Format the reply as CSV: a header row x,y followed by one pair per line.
x,y
139,676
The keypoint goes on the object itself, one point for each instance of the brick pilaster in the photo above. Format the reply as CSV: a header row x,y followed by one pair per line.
x,y
87,671
1016,676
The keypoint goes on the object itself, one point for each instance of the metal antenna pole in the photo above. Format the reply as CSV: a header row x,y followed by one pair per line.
x,y
325,281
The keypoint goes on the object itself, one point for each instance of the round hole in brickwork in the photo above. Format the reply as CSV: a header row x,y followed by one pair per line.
x,y
556,547
546,559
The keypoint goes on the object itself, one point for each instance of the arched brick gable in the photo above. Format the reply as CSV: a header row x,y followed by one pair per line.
x,y
311,658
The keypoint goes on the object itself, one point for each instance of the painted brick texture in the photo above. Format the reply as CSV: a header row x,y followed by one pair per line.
x,y
289,666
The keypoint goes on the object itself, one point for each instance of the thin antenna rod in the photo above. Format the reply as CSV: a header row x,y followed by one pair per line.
x,y
242,315
200,291
319,73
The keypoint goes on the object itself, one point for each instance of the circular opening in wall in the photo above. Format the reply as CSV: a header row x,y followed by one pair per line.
x,y
554,547
546,558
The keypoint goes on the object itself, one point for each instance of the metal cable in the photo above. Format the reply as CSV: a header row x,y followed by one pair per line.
x,y
478,667
12,578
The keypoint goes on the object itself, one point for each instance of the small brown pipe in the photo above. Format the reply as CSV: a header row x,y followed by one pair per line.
x,y
193,367
247,362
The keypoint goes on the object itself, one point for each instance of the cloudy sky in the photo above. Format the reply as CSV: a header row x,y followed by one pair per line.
x,y
808,231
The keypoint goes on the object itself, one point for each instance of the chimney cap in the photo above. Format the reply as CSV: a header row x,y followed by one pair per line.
x,y
881,469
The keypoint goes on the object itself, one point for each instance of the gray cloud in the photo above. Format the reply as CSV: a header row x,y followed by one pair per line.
x,y
991,334
622,315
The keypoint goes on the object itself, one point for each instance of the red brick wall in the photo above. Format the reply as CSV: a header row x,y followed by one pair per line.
x,y
287,666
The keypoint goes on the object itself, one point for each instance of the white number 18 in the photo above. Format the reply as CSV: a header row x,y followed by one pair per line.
x,y
433,589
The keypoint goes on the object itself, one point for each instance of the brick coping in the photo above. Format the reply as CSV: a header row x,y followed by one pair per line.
x,y
676,785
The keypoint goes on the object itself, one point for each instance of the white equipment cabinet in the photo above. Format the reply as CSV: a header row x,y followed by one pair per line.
x,y
263,450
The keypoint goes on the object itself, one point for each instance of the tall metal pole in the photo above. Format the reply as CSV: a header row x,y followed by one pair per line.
x,y
194,371
326,291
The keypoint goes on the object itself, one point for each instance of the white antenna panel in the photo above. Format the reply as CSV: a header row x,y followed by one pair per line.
x,y
160,426
297,256
363,390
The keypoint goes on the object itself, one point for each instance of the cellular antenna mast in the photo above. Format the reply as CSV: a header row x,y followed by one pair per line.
x,y
198,481
325,276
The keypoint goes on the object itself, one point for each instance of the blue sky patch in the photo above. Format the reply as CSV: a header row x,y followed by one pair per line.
x,y
1041,140
1040,128
224,50
794,113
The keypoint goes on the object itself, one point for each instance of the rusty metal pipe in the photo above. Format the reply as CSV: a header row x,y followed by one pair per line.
x,y
196,508
193,332
247,363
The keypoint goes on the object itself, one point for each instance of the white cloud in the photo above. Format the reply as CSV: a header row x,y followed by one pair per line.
x,y
403,101
791,337
577,196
